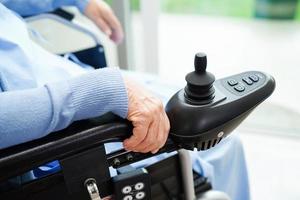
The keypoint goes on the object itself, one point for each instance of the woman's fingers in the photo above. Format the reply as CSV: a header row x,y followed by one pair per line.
x,y
117,31
151,142
103,16
147,114
103,26
163,133
139,134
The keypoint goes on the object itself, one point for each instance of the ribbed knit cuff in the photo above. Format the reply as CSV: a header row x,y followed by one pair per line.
x,y
98,92
81,4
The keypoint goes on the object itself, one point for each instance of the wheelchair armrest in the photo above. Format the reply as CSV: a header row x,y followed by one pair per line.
x,y
76,138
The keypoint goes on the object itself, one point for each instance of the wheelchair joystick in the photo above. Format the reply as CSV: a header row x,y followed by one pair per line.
x,y
199,88
207,110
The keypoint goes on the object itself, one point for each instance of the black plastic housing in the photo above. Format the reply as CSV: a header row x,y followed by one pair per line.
x,y
203,126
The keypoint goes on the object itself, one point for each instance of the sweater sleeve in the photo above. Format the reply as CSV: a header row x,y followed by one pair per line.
x,y
33,7
31,114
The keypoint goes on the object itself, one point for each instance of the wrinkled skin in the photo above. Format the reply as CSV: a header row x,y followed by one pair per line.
x,y
150,121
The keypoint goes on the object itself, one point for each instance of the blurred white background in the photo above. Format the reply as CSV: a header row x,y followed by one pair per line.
x,y
271,133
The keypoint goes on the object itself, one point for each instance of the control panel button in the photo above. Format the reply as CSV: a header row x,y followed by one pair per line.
x,y
128,197
126,190
239,88
247,80
140,195
254,78
232,82
139,186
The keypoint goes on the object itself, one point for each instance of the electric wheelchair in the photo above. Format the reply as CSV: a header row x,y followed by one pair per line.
x,y
201,115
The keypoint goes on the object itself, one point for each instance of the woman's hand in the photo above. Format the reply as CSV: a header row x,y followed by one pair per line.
x,y
103,16
149,119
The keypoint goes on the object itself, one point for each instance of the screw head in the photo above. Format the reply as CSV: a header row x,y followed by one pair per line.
x,y
116,162
220,134
129,157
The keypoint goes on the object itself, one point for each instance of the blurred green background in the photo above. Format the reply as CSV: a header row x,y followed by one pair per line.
x,y
234,8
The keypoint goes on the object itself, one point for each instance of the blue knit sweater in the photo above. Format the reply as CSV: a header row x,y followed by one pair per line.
x,y
40,92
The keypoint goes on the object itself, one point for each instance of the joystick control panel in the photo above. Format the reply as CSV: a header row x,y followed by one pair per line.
x,y
207,110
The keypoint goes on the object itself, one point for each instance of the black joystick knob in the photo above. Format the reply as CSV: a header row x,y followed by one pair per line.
x,y
199,88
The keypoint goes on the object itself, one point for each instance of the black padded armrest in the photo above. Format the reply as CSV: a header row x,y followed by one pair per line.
x,y
76,138
59,12
64,14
